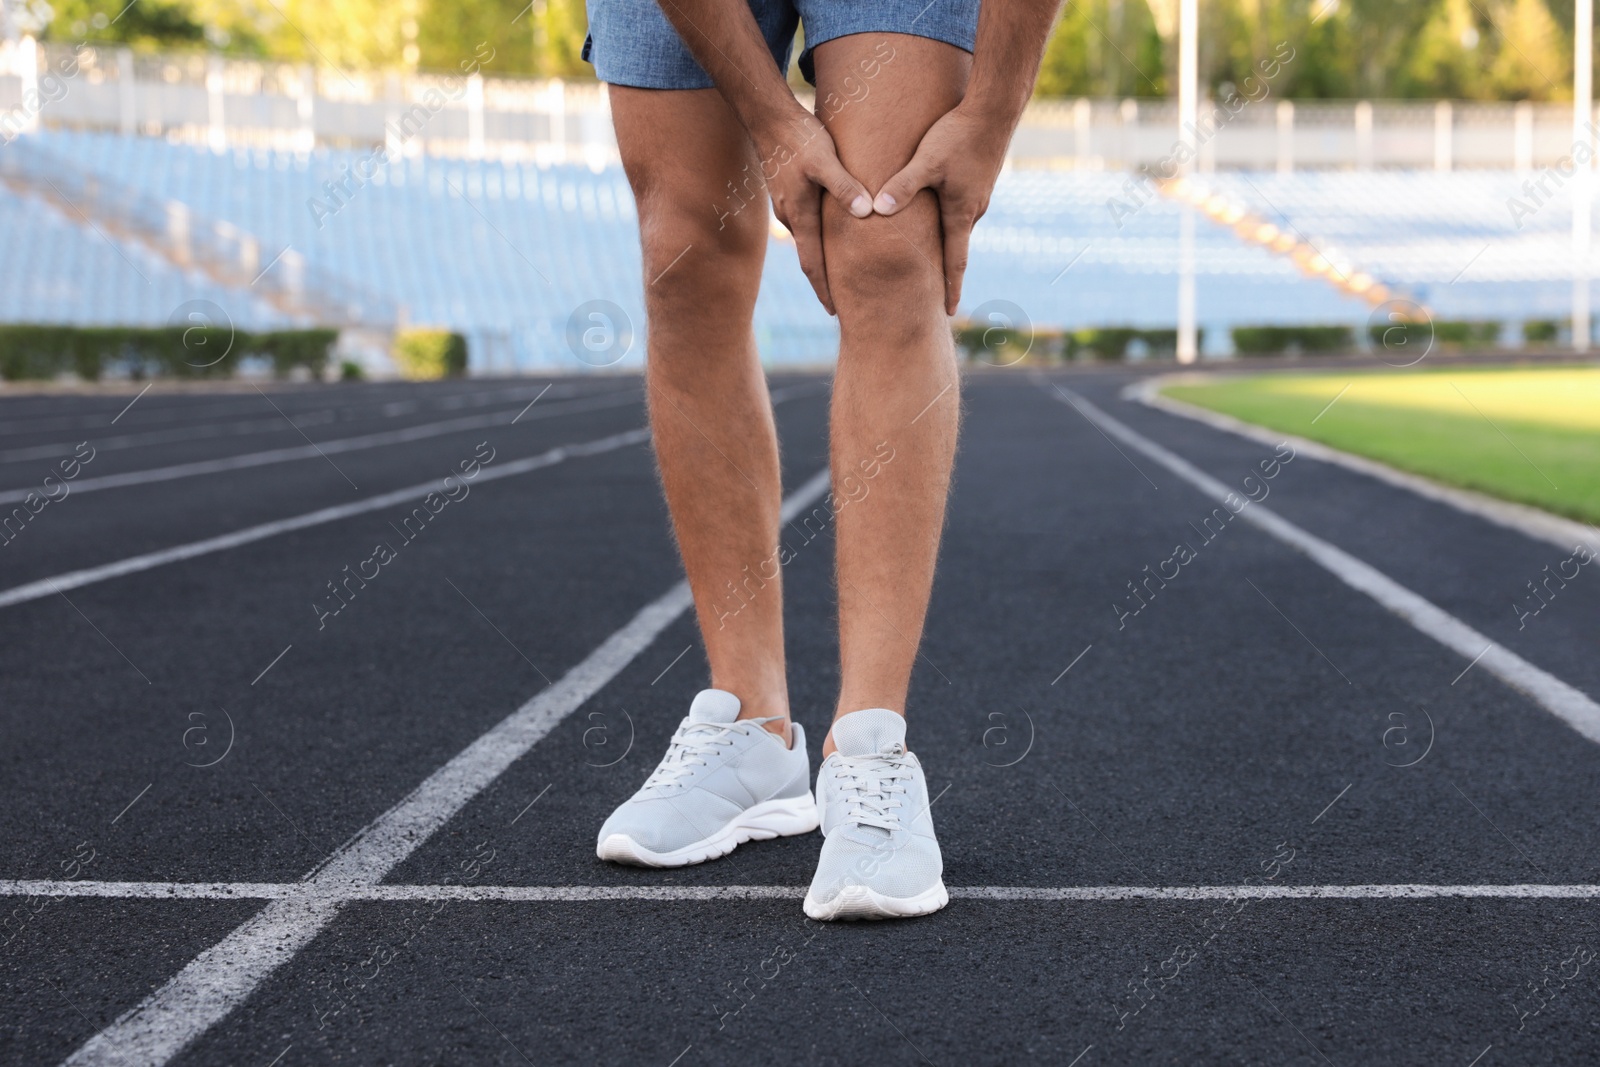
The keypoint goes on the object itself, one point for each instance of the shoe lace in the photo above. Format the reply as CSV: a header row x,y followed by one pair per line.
x,y
875,791
694,745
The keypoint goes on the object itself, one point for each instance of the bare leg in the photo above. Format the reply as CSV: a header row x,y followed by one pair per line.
x,y
710,414
895,392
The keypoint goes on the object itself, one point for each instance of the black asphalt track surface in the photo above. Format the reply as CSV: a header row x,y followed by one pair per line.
x,y
1241,723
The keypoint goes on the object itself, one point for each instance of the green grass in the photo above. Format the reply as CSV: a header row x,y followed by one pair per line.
x,y
1526,434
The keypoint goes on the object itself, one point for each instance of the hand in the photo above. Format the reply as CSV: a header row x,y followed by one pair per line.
x,y
959,159
799,162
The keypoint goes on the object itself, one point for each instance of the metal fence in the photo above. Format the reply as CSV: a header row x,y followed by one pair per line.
x,y
210,100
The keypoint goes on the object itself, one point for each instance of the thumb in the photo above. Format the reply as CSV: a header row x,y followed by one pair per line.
x,y
842,185
898,190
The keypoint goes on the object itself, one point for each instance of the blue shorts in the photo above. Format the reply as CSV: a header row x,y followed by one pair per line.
x,y
632,43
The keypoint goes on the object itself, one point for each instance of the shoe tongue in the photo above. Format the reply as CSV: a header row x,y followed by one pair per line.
x,y
869,732
714,705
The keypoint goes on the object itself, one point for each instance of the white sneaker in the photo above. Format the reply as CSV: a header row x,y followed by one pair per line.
x,y
879,859
722,782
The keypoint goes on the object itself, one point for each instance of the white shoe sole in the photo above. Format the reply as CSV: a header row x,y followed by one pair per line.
x,y
773,818
863,902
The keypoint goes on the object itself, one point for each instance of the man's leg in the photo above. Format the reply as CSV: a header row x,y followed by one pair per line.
x,y
895,390
718,453
710,415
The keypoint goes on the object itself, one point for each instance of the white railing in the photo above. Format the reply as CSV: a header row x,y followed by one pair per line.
x,y
210,100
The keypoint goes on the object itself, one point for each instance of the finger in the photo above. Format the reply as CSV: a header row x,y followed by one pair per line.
x,y
957,226
805,226
831,175
898,190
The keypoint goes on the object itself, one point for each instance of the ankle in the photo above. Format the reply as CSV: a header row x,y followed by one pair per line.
x,y
778,728
773,708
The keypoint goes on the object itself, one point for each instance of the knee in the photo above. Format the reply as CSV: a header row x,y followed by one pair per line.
x,y
878,273
695,246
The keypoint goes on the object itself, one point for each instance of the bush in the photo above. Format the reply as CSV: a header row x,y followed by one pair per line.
x,y
1109,342
428,353
289,349
350,371
1164,343
1467,334
1274,340
1541,331
43,352
1400,336
1112,342
1004,346
992,344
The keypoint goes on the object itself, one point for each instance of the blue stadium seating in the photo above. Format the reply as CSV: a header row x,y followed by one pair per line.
x,y
1451,241
57,270
505,252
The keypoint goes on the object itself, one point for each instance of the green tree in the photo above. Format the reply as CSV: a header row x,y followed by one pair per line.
x,y
347,34
450,32
147,24
1448,58
561,27
1104,48
1533,61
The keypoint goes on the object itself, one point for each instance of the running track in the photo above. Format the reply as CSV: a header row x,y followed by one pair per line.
x,y
1266,819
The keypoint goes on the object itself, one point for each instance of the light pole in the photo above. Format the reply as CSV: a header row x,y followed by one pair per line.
x,y
1188,98
1582,178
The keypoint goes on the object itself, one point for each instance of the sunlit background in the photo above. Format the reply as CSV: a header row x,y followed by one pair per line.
x,y
382,169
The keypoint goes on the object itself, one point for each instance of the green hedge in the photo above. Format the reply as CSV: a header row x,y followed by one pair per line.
x,y
996,344
1109,342
43,352
1541,331
1001,345
430,353
1456,333
1112,342
1273,340
1481,334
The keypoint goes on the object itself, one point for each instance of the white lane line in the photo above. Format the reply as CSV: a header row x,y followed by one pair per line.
x,y
217,981
74,579
1529,521
1557,697
192,415
1280,892
537,894
89,575
323,449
